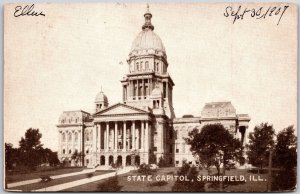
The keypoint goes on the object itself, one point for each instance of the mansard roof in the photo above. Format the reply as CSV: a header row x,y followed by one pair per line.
x,y
75,117
218,110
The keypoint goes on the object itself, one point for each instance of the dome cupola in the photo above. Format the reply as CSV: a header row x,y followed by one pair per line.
x,y
101,101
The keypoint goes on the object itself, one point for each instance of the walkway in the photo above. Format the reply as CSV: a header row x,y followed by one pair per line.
x,y
20,183
71,184
81,181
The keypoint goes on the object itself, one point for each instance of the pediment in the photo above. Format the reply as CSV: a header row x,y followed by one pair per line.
x,y
118,109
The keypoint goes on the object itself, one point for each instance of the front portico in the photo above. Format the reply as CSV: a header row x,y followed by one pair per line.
x,y
122,135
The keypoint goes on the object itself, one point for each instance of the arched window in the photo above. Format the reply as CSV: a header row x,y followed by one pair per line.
x,y
87,151
64,151
87,136
137,66
76,137
70,137
91,136
141,66
64,137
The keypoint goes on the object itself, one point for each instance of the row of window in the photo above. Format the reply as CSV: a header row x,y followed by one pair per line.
x,y
69,137
139,66
70,151
69,120
87,151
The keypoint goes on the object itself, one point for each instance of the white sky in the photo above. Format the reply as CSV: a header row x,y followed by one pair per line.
x,y
60,61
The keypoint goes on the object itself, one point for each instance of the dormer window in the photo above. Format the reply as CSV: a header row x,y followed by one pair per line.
x,y
146,65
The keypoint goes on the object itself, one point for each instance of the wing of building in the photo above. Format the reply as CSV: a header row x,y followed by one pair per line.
x,y
143,128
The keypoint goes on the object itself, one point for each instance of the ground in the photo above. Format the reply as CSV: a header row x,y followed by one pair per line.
x,y
145,186
121,183
19,176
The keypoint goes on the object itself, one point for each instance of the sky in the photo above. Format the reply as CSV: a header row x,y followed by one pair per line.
x,y
60,62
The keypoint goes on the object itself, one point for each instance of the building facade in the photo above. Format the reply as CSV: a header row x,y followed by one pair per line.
x,y
143,128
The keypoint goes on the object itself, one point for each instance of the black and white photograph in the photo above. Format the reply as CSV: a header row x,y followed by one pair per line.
x,y
150,97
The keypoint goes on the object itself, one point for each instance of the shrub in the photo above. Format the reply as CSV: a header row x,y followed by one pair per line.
x,y
45,178
110,185
159,183
284,180
145,169
188,186
90,175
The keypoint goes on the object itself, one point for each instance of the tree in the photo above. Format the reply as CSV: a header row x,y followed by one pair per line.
x,y
31,148
261,141
48,156
77,156
215,146
10,156
285,154
285,157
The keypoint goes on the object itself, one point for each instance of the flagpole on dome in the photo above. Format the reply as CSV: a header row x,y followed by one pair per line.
x,y
147,25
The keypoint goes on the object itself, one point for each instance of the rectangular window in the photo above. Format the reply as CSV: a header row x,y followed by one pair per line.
x,y
177,162
177,150
154,148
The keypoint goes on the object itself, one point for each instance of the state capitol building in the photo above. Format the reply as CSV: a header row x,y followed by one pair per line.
x,y
143,128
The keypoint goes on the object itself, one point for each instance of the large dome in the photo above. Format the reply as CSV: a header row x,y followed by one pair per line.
x,y
147,40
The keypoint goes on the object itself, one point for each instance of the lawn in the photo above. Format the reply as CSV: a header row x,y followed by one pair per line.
x,y
40,185
143,186
121,183
17,176
162,186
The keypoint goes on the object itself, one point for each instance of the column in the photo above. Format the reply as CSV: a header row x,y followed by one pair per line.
x,y
138,88
116,136
107,135
147,137
142,136
99,138
80,134
143,88
167,90
94,139
124,135
133,135
73,141
59,141
137,140
132,88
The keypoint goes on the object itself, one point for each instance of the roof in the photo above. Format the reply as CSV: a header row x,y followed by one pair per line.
x,y
147,40
101,97
218,109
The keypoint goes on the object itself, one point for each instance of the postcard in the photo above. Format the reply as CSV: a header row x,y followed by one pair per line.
x,y
157,97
